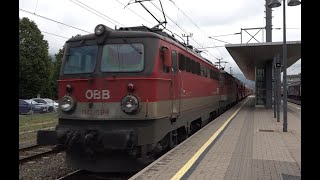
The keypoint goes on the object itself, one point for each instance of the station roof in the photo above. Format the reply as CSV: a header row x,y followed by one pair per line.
x,y
250,55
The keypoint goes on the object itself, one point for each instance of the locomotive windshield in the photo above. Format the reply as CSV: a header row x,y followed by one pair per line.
x,y
81,60
122,58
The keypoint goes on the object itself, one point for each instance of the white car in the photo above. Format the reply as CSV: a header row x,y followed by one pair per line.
x,y
52,106
55,104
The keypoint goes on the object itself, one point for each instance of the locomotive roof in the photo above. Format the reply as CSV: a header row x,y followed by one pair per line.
x,y
117,34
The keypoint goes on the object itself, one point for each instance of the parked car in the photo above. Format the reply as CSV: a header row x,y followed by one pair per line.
x,y
24,107
55,104
29,106
51,105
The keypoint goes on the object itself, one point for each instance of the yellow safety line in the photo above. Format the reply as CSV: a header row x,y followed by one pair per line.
x,y
187,166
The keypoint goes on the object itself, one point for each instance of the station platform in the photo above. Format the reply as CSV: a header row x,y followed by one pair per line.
x,y
245,142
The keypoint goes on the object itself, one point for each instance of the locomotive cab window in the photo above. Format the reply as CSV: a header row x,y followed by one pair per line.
x,y
165,68
122,58
80,60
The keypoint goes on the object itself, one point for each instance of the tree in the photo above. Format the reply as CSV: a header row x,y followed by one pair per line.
x,y
34,62
48,91
56,70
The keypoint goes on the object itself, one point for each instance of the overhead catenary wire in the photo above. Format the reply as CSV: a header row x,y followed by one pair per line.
x,y
134,12
92,10
180,27
172,27
154,16
85,30
170,18
53,20
219,40
55,34
286,28
193,23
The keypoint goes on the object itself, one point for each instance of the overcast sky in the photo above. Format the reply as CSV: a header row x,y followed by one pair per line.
x,y
202,18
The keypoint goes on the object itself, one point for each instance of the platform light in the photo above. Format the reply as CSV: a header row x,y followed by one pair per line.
x,y
294,2
273,4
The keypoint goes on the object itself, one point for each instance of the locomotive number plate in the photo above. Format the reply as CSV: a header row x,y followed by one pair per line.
x,y
96,112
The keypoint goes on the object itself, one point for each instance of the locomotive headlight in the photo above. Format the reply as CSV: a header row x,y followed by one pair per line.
x,y
129,104
99,29
67,103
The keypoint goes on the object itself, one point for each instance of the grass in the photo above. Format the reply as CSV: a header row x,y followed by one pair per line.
x,y
37,126
35,122
27,137
29,120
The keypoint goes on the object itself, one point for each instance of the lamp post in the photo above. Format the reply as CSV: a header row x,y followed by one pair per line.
x,y
274,4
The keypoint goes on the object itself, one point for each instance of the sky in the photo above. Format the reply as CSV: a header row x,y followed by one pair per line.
x,y
202,18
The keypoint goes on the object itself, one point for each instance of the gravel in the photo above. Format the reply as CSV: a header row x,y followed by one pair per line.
x,y
49,167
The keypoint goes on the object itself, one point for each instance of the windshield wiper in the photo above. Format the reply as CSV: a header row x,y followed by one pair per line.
x,y
139,52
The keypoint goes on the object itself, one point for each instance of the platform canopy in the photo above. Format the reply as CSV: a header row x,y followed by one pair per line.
x,y
251,55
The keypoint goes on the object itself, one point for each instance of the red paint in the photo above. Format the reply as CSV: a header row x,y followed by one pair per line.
x,y
156,87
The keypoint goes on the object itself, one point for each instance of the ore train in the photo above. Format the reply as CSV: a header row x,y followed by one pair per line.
x,y
128,94
294,91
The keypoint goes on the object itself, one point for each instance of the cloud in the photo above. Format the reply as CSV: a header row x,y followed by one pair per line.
x,y
217,13
212,17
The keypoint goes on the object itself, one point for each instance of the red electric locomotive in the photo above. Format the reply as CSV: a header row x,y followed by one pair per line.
x,y
127,95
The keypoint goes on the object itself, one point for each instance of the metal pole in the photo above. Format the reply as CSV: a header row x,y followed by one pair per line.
x,y
186,35
268,26
278,87
284,70
241,35
274,87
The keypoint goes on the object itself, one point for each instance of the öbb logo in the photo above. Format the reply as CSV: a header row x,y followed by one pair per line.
x,y
97,94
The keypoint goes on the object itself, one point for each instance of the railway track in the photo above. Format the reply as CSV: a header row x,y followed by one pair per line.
x,y
34,152
86,175
294,101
